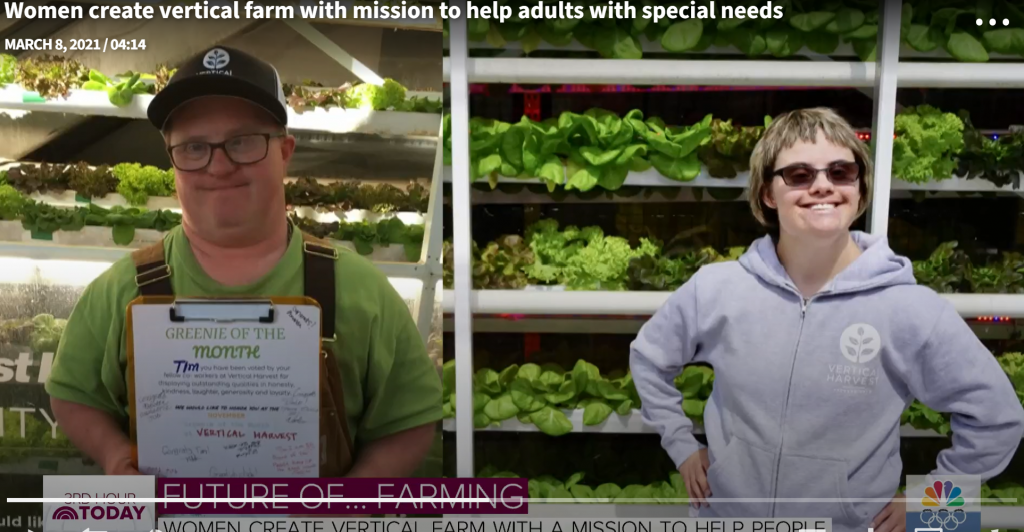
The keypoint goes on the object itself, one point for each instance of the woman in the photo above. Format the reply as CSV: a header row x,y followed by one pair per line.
x,y
819,338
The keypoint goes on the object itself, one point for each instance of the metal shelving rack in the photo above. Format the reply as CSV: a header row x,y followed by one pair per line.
x,y
548,311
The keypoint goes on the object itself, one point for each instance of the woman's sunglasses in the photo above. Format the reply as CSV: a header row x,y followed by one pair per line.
x,y
802,175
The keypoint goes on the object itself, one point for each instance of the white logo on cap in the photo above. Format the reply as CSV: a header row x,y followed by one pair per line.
x,y
216,59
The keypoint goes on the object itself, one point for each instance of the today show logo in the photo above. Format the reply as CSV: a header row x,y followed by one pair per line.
x,y
98,511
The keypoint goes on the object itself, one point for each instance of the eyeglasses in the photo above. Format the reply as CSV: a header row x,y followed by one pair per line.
x,y
802,175
244,149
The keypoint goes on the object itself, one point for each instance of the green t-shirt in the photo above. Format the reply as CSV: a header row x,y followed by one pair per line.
x,y
390,384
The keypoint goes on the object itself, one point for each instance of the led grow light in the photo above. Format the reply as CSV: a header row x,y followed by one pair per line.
x,y
408,288
18,270
994,319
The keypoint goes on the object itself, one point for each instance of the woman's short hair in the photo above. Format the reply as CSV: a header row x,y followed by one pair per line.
x,y
803,125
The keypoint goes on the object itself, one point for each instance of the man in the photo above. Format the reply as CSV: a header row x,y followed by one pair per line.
x,y
223,117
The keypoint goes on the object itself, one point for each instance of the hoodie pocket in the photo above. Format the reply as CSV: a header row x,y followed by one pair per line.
x,y
740,471
802,477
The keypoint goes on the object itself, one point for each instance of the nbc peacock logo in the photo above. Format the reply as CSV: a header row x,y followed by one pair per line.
x,y
65,512
946,503
942,494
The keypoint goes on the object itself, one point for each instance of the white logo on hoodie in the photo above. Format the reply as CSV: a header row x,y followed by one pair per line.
x,y
860,343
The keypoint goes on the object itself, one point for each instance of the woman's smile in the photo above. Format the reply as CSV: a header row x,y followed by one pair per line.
x,y
822,208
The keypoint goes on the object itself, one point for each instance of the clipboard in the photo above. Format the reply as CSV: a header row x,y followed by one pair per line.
x,y
227,387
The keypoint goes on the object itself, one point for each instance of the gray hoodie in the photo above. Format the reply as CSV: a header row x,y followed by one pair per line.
x,y
808,393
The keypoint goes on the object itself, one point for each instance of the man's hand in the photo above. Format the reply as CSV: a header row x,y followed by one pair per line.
x,y
892,518
394,456
120,465
695,474
97,434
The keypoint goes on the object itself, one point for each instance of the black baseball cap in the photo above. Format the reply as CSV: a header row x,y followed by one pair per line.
x,y
221,71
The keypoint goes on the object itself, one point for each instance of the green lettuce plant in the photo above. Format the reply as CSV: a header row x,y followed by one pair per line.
x,y
921,417
952,27
999,161
137,183
46,333
365,236
673,150
8,69
602,149
581,259
41,178
540,394
658,272
120,93
42,218
531,149
11,203
377,97
1013,365
926,144
88,182
1003,276
501,264
944,270
50,75
817,27
730,147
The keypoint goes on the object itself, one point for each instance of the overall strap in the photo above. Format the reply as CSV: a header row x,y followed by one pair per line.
x,y
336,447
318,271
153,274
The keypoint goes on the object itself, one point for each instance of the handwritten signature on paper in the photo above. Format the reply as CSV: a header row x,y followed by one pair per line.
x,y
299,318
159,471
295,450
244,449
153,405
245,471
299,398
297,459
298,404
190,454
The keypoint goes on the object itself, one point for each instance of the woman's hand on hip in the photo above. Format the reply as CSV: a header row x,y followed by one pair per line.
x,y
694,471
892,518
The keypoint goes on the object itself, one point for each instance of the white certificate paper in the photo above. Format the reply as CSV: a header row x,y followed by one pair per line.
x,y
227,399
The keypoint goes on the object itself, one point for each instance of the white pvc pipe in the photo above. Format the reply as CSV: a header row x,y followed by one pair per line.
x,y
648,178
884,115
462,243
994,75
333,120
595,303
768,73
666,72
430,255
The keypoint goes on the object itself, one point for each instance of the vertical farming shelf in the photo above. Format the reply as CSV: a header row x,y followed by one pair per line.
x,y
550,311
